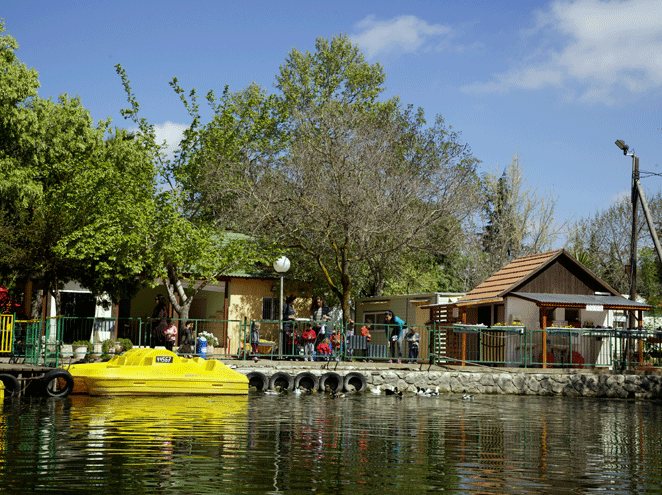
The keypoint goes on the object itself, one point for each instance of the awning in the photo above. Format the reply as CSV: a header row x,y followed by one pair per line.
x,y
584,301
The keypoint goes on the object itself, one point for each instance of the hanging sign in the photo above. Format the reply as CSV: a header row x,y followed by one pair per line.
x,y
595,307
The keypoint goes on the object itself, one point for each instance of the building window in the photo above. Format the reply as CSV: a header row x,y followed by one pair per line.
x,y
374,318
572,317
269,308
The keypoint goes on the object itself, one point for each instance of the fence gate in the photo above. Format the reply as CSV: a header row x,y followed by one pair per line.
x,y
6,333
438,344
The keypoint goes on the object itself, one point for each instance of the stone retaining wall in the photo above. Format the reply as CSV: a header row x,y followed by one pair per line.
x,y
572,384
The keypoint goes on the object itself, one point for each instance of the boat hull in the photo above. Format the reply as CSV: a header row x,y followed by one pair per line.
x,y
157,372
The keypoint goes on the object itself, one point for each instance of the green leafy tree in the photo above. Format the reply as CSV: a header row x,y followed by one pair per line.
x,y
602,243
346,181
72,191
189,246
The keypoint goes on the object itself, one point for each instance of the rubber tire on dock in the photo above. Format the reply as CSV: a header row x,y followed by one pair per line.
x,y
333,380
10,382
354,380
258,380
306,380
56,383
282,380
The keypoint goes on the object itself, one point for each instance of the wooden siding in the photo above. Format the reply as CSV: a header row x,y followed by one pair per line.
x,y
562,277
514,272
555,272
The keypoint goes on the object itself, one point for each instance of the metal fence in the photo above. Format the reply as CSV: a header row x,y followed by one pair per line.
x,y
51,340
37,342
548,348
48,341
330,340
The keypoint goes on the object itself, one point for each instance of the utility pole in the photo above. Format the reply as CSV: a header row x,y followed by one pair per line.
x,y
634,195
632,320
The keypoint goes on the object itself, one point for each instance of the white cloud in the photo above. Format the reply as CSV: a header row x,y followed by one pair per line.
x,y
602,47
171,133
402,34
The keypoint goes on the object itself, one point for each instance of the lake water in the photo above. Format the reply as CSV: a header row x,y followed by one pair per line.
x,y
362,444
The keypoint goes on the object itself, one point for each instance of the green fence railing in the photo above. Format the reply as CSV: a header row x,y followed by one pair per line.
x,y
50,341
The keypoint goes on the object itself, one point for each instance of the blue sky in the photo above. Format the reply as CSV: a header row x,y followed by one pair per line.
x,y
554,82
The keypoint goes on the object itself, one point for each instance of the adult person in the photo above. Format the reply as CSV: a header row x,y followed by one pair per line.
x,y
255,338
187,342
159,320
319,315
319,311
395,329
413,341
288,317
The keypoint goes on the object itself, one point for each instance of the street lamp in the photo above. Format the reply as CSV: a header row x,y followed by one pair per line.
x,y
281,265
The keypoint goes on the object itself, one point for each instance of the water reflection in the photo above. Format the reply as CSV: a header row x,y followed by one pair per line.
x,y
357,445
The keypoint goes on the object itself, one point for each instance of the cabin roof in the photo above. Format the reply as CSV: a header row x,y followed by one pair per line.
x,y
519,271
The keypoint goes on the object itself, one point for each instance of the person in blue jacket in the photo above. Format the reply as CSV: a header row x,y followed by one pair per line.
x,y
396,330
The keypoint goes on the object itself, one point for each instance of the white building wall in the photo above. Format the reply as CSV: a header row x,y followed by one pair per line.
x,y
524,311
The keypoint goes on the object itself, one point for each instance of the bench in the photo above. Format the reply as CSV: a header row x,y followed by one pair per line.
x,y
357,343
377,351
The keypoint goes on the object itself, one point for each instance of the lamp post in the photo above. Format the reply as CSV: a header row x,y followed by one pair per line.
x,y
281,265
633,235
633,243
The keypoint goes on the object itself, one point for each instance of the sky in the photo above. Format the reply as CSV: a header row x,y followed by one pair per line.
x,y
554,83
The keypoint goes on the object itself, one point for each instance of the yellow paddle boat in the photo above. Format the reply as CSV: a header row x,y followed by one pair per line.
x,y
157,372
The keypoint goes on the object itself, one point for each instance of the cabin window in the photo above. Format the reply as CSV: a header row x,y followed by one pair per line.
x,y
572,317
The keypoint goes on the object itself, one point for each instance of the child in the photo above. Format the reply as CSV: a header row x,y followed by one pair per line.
x,y
413,340
170,335
255,338
336,343
324,349
365,332
309,337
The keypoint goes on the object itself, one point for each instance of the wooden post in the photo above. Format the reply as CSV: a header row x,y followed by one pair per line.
x,y
544,337
464,349
464,337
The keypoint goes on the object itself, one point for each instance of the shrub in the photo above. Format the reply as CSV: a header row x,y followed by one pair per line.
x,y
83,343
125,344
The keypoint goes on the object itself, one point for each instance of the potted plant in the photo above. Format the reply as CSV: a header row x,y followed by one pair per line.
x,y
123,345
107,349
81,348
212,341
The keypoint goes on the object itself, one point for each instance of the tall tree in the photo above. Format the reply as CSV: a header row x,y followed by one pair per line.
x,y
349,182
72,191
602,242
517,220
189,246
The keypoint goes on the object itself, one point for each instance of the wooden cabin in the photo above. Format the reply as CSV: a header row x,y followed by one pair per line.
x,y
537,292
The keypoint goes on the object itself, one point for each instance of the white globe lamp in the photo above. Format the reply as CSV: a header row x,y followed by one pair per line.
x,y
281,265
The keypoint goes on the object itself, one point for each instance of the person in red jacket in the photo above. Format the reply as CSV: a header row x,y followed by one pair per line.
x,y
309,337
336,344
324,349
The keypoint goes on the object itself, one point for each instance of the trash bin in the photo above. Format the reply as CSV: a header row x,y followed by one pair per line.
x,y
201,347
